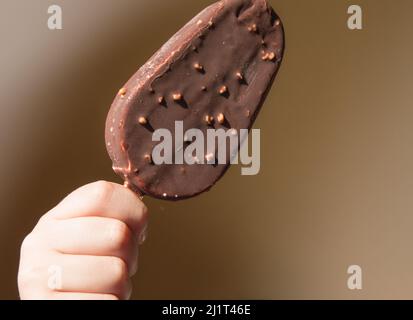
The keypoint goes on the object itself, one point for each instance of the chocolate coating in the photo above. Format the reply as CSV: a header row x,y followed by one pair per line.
x,y
214,73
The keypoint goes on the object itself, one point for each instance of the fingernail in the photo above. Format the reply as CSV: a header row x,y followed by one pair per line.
x,y
143,235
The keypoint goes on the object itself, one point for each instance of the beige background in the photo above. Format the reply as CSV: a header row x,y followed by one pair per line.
x,y
336,183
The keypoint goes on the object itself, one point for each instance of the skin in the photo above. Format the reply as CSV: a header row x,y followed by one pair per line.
x,y
91,238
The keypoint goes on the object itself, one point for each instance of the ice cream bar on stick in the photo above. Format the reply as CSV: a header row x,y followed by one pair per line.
x,y
214,73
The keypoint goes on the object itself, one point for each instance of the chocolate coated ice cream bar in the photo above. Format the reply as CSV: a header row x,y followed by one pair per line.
x,y
214,73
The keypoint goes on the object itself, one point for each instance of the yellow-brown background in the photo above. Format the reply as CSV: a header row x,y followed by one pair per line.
x,y
336,183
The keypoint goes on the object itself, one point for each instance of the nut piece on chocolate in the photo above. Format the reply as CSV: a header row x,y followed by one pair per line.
x,y
214,73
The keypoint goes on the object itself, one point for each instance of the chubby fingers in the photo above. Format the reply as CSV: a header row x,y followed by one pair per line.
x,y
80,274
56,276
93,236
103,199
87,244
81,296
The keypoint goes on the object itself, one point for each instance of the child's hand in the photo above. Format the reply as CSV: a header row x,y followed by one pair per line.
x,y
86,247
